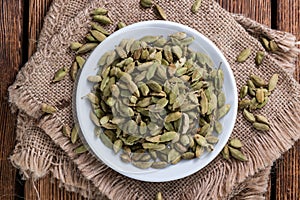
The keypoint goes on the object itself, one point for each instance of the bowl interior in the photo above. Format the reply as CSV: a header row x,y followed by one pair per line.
x,y
83,107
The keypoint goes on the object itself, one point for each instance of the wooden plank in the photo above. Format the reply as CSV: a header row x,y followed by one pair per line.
x,y
46,188
257,10
11,12
288,167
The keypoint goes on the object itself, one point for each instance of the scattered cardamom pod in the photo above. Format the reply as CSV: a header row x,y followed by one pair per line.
x,y
80,150
98,35
80,61
73,71
48,109
196,5
99,28
66,130
60,74
261,119
244,55
261,126
74,133
86,48
273,46
235,143
260,55
237,154
146,3
161,12
273,82
99,11
266,43
102,19
225,152
243,91
75,46
121,25
248,116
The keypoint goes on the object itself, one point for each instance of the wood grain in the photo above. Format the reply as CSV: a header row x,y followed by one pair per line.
x,y
288,167
10,61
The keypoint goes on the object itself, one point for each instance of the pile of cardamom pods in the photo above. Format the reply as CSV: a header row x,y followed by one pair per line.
x,y
157,101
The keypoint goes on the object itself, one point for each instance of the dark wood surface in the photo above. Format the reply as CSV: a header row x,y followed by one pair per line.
x,y
20,25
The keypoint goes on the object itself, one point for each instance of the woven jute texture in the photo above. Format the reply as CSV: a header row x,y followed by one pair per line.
x,y
42,147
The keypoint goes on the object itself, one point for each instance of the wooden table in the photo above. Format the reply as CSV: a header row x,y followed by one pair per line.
x,y
20,25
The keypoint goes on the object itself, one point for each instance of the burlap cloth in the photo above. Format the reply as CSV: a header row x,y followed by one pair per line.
x,y
41,147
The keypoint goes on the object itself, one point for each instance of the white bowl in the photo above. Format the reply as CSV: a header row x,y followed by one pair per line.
x,y
83,107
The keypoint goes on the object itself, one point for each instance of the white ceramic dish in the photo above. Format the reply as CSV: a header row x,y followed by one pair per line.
x,y
83,107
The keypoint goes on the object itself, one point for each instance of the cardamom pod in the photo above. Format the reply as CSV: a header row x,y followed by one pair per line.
x,y
60,74
75,45
80,150
243,91
225,152
273,82
196,5
261,126
261,119
86,48
73,71
98,35
258,81
102,19
146,3
260,95
99,11
80,61
74,133
237,154
244,55
48,109
273,46
161,12
99,28
266,43
121,25
260,55
66,130
248,116
236,143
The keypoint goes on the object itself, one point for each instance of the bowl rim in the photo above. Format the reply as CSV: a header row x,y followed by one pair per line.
x,y
143,176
